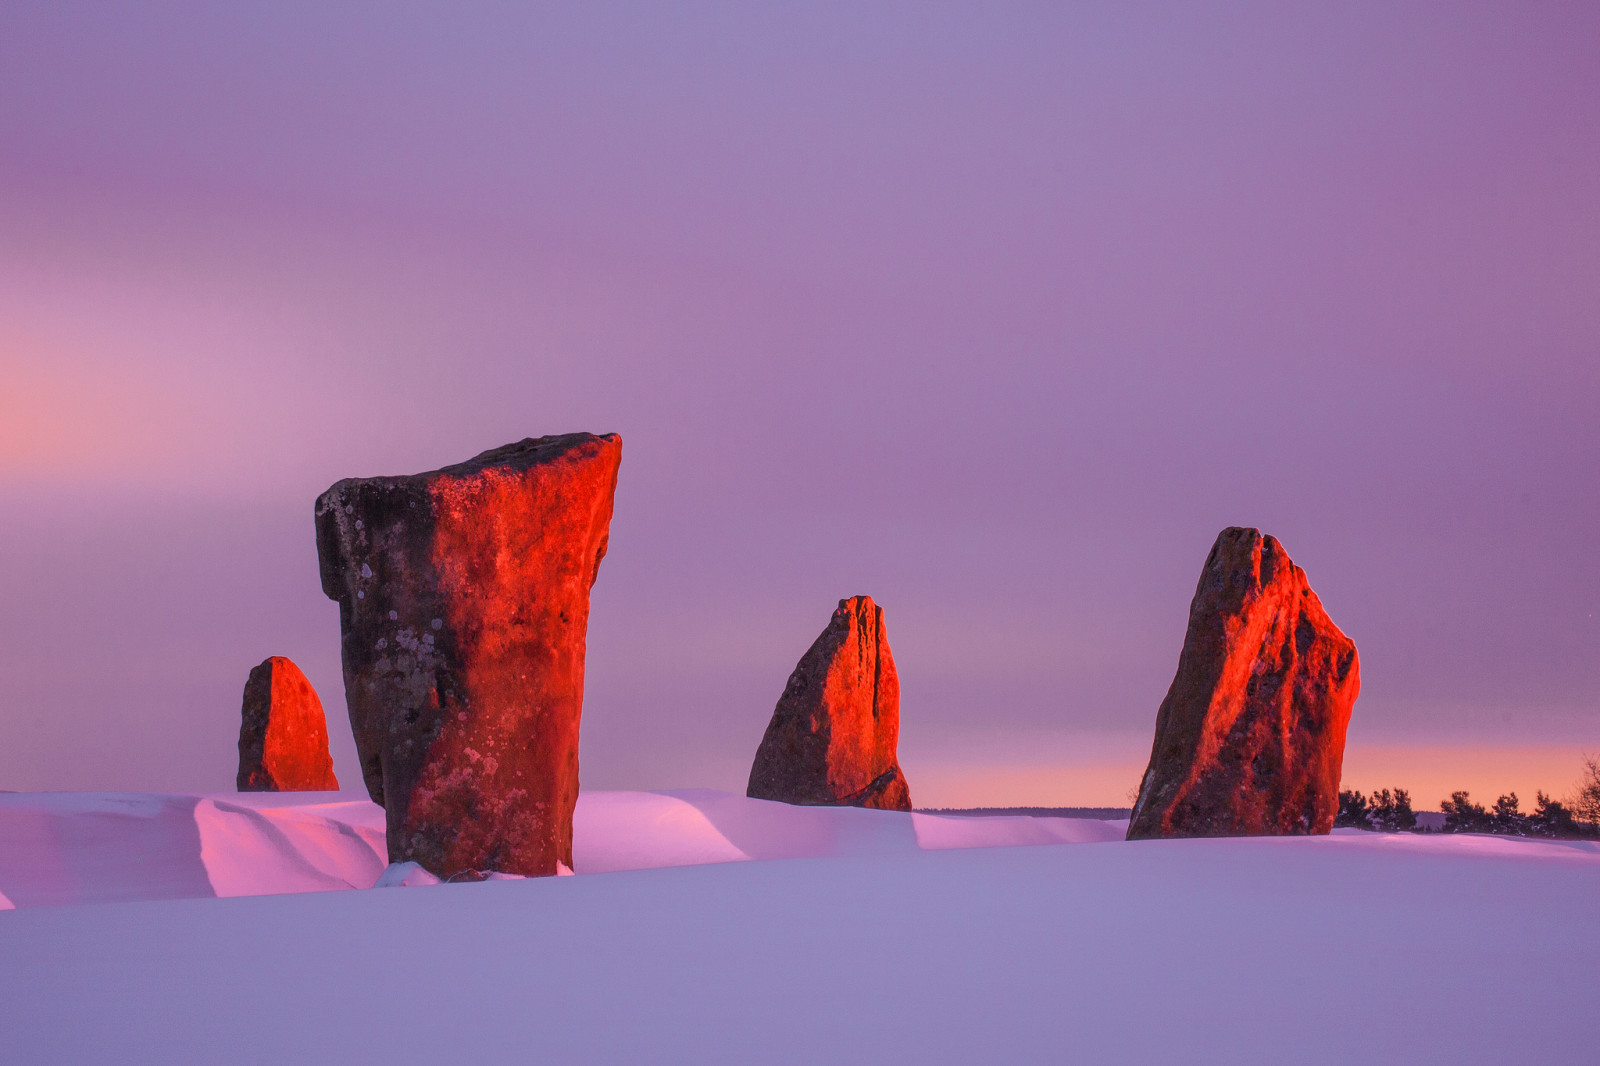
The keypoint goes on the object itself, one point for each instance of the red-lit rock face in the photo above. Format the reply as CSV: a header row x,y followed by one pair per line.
x,y
283,739
1250,738
834,735
464,605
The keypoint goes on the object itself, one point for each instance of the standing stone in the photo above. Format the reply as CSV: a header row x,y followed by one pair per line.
x,y
464,607
1250,739
834,737
283,737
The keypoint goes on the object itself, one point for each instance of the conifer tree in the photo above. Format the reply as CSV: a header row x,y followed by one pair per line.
x,y
1392,813
1507,817
1461,815
1552,819
1353,812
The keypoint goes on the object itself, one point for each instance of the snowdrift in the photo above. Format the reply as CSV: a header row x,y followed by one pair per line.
x,y
65,848
1352,948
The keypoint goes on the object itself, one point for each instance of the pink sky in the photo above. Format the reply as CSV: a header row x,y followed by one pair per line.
x,y
996,315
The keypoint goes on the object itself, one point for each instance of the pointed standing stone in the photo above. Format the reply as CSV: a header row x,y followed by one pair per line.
x,y
464,607
833,739
283,738
1250,739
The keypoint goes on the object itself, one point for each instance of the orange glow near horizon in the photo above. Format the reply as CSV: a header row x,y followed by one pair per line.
x,y
1429,773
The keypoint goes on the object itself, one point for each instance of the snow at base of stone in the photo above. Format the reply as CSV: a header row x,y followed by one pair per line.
x,y
254,850
65,848
68,848
405,875
410,874
614,831
6,904
1316,951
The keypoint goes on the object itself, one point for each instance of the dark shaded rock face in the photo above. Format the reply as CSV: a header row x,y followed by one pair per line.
x,y
464,605
1250,739
834,736
283,738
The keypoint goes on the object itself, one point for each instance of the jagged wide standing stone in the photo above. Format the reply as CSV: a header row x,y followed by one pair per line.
x,y
464,607
833,739
1250,739
283,737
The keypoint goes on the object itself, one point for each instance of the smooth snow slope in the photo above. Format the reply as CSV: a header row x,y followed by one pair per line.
x,y
70,847
614,831
1351,948
63,848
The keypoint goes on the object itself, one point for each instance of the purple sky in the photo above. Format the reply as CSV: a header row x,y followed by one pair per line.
x,y
996,314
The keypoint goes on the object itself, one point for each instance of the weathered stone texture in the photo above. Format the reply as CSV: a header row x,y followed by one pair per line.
x,y
834,736
1250,739
283,737
464,606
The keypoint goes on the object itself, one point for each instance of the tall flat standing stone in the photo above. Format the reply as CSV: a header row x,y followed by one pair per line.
x,y
834,736
283,737
1250,739
464,607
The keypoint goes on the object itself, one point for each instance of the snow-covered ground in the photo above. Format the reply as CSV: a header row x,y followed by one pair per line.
x,y
853,936
64,847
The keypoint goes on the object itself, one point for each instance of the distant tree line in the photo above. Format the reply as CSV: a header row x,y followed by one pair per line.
x,y
1387,811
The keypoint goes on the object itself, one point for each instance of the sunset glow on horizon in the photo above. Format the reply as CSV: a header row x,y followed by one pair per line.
x,y
997,320
720,533
1429,774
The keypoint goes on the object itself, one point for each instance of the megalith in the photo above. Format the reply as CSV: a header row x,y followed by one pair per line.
x,y
283,737
464,609
1250,739
834,737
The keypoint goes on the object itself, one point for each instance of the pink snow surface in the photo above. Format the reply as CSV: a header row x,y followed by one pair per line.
x,y
63,847
894,940
101,847
1305,950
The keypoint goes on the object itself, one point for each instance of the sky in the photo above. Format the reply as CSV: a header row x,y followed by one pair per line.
x,y
996,313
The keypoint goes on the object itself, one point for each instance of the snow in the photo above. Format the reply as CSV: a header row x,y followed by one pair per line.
x,y
412,875
731,931
64,848
643,830
405,875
